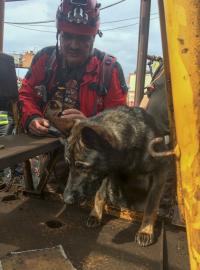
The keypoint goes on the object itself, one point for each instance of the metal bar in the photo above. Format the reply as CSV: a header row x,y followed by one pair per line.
x,y
28,179
162,245
47,171
183,28
163,248
154,153
166,68
145,8
2,8
19,148
169,95
2,11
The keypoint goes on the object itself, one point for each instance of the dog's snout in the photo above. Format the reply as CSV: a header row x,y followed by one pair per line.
x,y
70,198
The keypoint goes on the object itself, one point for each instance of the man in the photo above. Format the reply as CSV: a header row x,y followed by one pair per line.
x,y
82,79
156,105
8,97
72,62
8,93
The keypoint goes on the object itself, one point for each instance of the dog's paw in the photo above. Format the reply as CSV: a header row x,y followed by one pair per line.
x,y
93,222
144,239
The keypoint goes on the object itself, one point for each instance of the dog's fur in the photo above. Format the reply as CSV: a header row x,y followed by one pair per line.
x,y
108,151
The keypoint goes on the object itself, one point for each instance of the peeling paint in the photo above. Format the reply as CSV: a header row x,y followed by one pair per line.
x,y
181,40
185,50
184,58
197,194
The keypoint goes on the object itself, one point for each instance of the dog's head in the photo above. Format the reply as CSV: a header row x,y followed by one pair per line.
x,y
88,151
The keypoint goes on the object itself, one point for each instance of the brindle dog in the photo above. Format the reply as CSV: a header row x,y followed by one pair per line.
x,y
105,152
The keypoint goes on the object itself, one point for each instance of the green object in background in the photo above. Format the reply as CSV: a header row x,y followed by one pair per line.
x,y
4,119
155,65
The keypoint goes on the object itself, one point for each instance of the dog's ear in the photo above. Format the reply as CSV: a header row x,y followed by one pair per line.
x,y
96,137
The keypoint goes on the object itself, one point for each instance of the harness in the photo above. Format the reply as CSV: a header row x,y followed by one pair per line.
x,y
64,93
108,63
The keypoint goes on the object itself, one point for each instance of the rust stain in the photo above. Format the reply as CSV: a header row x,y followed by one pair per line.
x,y
195,237
185,50
181,40
197,194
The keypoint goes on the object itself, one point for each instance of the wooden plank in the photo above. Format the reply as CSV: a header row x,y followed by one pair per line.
x,y
18,148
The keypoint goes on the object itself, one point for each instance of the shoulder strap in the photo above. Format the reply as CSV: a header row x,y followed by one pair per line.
x,y
108,63
49,67
121,78
106,71
48,70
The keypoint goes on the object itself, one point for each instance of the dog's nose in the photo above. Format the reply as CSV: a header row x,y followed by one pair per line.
x,y
71,197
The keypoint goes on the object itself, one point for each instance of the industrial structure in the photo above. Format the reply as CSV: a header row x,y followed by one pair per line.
x,y
180,28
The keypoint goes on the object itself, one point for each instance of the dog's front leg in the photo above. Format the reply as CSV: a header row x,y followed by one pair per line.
x,y
145,236
95,217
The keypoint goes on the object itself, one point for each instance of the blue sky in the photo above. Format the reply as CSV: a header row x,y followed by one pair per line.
x,y
122,42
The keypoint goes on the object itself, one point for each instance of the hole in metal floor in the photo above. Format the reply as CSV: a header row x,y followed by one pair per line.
x,y
54,224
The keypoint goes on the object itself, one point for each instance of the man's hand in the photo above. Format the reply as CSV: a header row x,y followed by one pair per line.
x,y
72,114
39,126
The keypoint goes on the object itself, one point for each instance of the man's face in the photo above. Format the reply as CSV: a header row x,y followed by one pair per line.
x,y
75,48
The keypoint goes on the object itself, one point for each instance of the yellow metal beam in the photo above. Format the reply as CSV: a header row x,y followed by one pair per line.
x,y
183,35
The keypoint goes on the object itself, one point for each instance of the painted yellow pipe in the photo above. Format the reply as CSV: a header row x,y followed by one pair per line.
x,y
183,35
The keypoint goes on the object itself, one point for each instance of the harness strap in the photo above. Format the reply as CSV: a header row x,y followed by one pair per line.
x,y
49,67
105,77
108,63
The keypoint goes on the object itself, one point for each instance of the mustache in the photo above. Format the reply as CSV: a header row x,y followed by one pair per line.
x,y
73,51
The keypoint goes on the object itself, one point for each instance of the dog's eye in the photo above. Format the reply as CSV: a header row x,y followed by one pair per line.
x,y
82,165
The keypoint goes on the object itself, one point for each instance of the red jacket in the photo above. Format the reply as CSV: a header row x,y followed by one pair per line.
x,y
88,98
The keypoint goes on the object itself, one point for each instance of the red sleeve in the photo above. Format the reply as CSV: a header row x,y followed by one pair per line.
x,y
27,95
117,95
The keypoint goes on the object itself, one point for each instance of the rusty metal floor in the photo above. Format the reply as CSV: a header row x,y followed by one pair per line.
x,y
22,227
